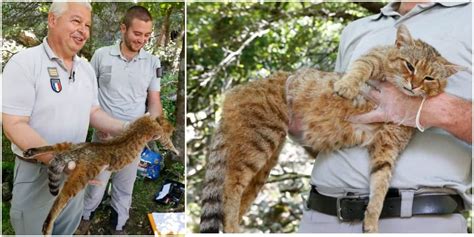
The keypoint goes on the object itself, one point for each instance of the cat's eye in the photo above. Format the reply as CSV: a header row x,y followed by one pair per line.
x,y
410,67
429,78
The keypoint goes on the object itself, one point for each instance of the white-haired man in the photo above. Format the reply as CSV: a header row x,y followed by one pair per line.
x,y
50,96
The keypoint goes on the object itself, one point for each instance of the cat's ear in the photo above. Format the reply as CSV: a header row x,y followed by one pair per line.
x,y
452,68
403,37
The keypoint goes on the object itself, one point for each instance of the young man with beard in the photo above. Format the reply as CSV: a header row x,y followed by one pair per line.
x,y
129,85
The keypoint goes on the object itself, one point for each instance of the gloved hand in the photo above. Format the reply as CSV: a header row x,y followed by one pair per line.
x,y
392,106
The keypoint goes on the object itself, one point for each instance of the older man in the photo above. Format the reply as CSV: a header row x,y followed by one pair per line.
x,y
50,96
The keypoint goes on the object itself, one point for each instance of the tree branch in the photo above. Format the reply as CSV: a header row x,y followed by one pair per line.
x,y
373,7
287,177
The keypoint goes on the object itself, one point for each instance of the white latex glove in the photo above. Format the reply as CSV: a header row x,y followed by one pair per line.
x,y
392,106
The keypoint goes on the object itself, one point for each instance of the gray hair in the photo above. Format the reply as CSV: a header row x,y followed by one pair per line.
x,y
58,8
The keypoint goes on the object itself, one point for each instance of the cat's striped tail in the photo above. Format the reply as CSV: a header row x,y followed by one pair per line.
x,y
55,169
212,213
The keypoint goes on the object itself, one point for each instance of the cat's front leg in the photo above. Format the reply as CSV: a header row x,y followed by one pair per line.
x,y
349,85
367,67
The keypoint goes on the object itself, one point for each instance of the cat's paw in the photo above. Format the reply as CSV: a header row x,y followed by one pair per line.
x,y
346,88
370,226
29,153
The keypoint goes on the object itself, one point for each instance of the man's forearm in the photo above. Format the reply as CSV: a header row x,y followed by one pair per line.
x,y
450,113
104,122
19,132
155,109
154,104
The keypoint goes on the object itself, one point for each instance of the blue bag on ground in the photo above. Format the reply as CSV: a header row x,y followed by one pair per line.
x,y
150,164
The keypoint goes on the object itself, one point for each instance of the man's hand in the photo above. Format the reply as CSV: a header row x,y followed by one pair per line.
x,y
103,136
392,106
46,158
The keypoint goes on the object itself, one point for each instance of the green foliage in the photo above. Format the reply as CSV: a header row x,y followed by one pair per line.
x,y
168,95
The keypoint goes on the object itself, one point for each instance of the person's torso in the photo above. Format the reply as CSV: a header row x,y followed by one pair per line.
x,y
63,100
434,158
123,84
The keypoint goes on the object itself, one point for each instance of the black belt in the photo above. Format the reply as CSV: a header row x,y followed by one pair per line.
x,y
350,208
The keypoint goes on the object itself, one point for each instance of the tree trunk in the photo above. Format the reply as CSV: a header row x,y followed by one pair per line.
x,y
163,39
179,139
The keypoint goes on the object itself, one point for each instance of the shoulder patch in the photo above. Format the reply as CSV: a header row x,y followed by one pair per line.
x,y
159,72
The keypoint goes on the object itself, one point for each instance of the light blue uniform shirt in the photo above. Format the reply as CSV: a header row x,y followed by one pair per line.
x,y
123,84
37,84
435,158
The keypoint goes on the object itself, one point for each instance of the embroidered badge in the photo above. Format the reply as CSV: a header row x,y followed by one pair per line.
x,y
53,72
56,85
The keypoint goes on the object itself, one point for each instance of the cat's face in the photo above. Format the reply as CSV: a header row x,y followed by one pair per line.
x,y
416,67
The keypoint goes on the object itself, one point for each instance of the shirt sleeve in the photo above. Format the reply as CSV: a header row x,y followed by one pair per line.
x,y
93,77
341,53
18,89
95,64
156,78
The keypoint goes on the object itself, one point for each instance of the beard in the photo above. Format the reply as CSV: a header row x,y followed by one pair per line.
x,y
129,45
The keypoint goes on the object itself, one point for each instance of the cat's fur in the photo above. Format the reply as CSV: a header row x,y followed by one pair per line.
x,y
256,117
92,158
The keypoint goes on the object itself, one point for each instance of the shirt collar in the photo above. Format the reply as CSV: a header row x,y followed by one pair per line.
x,y
116,51
49,51
391,8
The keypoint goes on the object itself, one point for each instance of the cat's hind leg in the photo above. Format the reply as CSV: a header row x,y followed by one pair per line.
x,y
252,190
384,151
76,181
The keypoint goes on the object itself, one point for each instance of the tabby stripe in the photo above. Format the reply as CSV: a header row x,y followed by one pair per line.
x,y
211,216
210,230
275,128
280,114
267,139
381,165
257,145
212,200
251,165
254,105
258,115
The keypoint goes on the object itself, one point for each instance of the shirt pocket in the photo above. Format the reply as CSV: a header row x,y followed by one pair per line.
x,y
105,75
140,84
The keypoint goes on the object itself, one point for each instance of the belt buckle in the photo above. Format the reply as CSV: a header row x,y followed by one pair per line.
x,y
339,208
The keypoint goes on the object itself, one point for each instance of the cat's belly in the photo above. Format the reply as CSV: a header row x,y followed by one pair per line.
x,y
323,114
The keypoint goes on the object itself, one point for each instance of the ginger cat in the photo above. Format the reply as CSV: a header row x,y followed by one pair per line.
x,y
256,116
92,158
